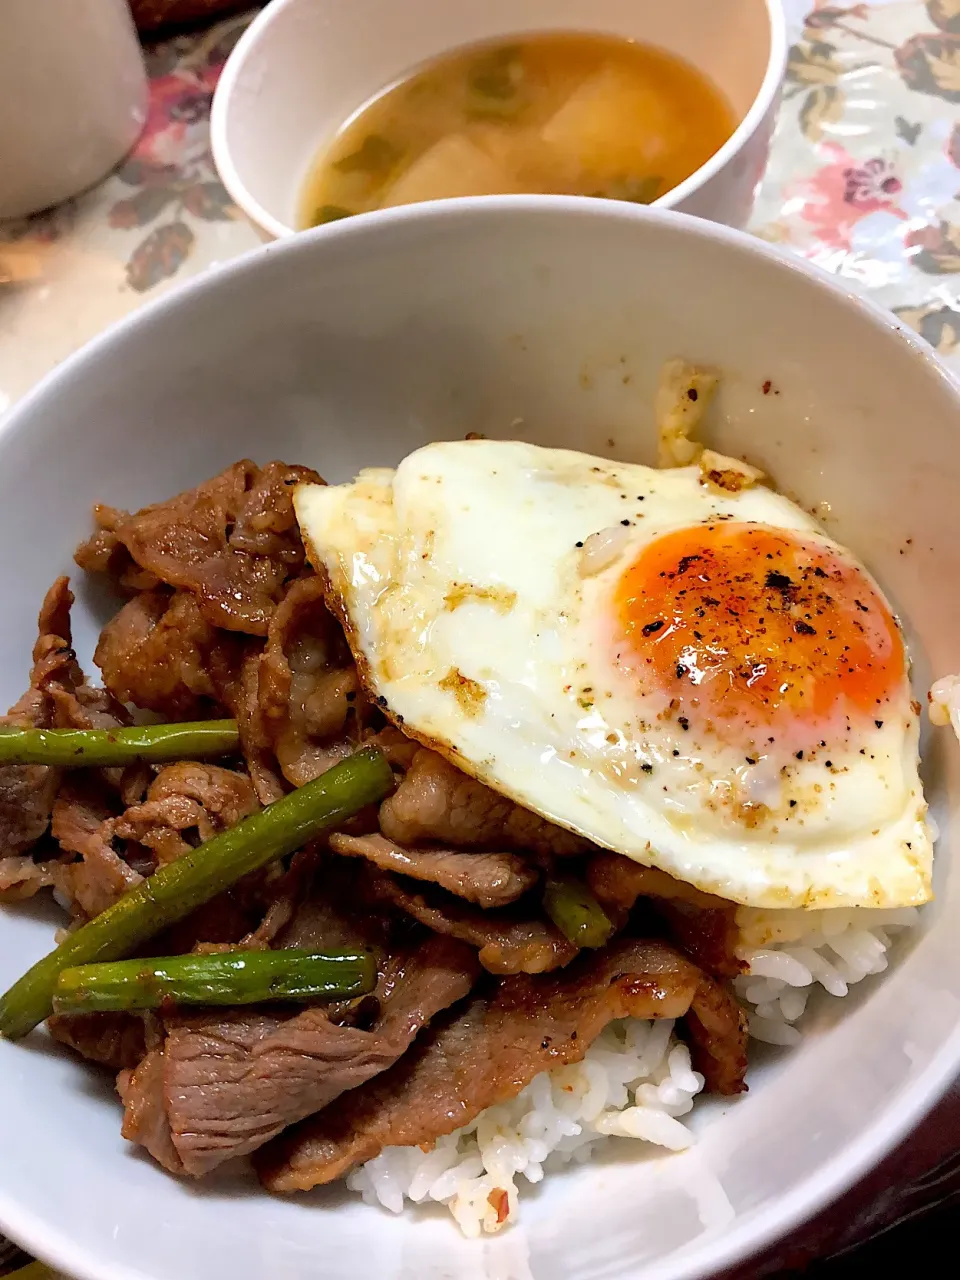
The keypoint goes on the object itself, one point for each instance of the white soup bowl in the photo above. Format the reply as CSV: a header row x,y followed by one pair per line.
x,y
548,320
303,67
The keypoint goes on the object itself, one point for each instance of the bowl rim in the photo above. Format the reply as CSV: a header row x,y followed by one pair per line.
x,y
236,65
744,1238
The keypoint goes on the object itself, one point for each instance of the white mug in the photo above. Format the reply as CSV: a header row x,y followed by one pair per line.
x,y
73,97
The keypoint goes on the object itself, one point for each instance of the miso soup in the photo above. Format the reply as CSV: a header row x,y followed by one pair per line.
x,y
562,113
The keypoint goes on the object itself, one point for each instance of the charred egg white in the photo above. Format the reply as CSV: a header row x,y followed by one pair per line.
x,y
701,680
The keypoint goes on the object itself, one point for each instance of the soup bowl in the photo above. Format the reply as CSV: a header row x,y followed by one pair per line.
x,y
546,320
304,67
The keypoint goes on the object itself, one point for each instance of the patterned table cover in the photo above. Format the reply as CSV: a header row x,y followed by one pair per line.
x,y
864,180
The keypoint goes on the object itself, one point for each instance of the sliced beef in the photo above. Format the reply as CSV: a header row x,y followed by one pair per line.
x,y
332,915
703,925
716,1028
143,1094
103,552
200,541
487,1052
508,942
255,740
114,1040
21,876
307,686
396,746
82,819
27,791
57,698
267,523
487,879
436,802
187,803
226,1082
281,894
162,654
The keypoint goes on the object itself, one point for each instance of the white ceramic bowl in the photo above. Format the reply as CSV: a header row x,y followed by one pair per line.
x,y
304,66
547,319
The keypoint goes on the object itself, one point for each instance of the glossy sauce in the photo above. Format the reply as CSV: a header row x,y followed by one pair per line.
x,y
561,113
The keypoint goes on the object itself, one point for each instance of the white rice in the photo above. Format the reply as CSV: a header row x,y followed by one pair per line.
x,y
792,953
636,1080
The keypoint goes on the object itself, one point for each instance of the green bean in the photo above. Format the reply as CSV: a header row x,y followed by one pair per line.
x,y
229,978
576,912
180,887
82,748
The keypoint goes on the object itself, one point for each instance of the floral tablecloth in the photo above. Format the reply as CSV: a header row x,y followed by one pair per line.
x,y
864,180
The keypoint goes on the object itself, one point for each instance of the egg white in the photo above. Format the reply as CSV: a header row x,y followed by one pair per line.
x,y
474,584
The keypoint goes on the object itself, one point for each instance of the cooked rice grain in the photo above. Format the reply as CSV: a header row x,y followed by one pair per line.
x,y
636,1081
790,953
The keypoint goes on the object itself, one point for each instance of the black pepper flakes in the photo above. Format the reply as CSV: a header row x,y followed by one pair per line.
x,y
651,628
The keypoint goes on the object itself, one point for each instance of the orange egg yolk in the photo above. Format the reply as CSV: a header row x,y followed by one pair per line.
x,y
751,630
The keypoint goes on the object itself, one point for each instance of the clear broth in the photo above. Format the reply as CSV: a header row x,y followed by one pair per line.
x,y
568,113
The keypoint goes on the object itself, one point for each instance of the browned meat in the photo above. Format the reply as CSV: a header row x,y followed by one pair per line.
x,y
26,798
21,877
27,791
255,741
103,552
267,523
160,653
507,943
188,542
717,1030
488,879
493,1048
307,686
57,698
396,746
144,1110
230,1081
198,799
279,895
435,801
333,915
703,925
115,1040
82,823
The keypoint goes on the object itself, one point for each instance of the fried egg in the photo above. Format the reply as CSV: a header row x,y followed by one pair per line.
x,y
699,679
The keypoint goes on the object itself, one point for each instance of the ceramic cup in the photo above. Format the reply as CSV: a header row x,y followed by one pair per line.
x,y
305,66
73,95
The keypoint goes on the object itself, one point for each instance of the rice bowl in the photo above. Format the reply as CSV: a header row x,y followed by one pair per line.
x,y
811,957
